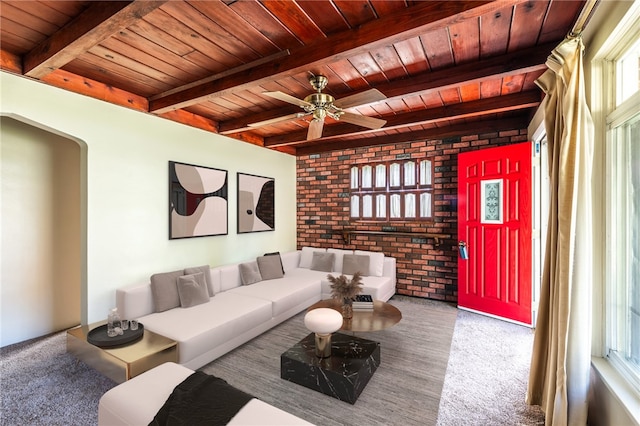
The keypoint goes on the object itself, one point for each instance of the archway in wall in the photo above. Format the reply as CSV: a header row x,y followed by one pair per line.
x,y
44,267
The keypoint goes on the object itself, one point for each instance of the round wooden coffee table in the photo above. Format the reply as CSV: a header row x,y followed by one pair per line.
x,y
383,315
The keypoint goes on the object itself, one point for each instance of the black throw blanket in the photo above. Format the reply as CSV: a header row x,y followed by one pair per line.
x,y
201,399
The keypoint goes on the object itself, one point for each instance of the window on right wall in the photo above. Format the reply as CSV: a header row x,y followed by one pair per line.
x,y
392,191
623,213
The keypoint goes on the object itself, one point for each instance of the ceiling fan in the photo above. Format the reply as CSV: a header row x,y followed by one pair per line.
x,y
320,105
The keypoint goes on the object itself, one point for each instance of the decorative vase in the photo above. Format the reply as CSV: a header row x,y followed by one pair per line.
x,y
347,308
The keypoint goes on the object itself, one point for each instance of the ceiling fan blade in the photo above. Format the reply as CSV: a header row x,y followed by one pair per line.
x,y
287,98
315,129
366,97
276,120
362,120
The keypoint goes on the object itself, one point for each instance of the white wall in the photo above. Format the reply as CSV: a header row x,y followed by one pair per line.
x,y
127,155
41,262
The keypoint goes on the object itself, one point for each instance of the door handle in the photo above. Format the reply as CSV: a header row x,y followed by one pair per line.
x,y
462,248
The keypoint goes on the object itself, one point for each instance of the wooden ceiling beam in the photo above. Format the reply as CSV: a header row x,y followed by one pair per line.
x,y
10,62
98,22
479,127
520,62
477,108
407,23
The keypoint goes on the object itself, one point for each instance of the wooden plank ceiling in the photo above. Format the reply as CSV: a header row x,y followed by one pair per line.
x,y
440,67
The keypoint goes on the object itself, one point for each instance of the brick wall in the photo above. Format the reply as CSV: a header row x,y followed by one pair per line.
x,y
423,269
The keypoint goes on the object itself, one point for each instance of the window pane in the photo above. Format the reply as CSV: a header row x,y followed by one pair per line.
x,y
354,178
394,206
425,204
629,73
425,172
367,207
394,175
409,173
381,206
410,205
355,206
366,176
381,176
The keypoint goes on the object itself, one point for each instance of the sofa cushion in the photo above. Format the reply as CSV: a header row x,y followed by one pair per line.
x,y
376,262
322,261
206,271
277,254
164,290
192,290
270,267
307,256
250,273
337,264
353,263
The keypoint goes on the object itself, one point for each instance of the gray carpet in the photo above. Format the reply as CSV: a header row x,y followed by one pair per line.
x,y
40,384
489,365
405,389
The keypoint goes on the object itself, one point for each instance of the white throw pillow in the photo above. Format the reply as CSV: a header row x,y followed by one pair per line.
x,y
376,262
307,256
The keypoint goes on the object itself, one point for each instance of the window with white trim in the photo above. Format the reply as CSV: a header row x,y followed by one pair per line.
x,y
392,191
623,214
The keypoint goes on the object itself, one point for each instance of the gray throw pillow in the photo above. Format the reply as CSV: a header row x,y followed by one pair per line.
x,y
250,273
276,253
205,269
322,261
164,290
192,290
353,263
270,267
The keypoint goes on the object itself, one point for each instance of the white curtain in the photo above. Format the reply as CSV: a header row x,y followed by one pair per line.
x,y
560,363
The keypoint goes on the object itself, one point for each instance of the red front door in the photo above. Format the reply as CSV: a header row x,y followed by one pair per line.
x,y
494,226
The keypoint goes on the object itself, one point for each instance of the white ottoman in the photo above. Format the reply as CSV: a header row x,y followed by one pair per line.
x,y
323,322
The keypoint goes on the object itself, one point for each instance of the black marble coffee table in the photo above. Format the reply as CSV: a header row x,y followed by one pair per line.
x,y
343,375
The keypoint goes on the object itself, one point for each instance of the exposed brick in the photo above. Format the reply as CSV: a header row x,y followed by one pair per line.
x,y
422,268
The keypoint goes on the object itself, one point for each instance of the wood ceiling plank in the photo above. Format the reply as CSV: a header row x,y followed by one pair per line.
x,y
293,17
461,110
512,84
27,14
409,23
470,92
325,14
450,96
96,68
389,62
191,70
368,68
562,15
217,37
10,62
147,30
356,12
191,38
349,74
526,24
490,88
231,22
263,21
385,7
18,39
437,46
494,32
428,83
412,55
465,41
134,66
95,89
480,126
141,61
99,21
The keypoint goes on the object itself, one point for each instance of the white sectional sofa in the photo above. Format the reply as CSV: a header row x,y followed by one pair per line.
x,y
137,401
242,304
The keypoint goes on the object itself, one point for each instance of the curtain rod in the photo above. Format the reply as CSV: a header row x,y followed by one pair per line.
x,y
583,18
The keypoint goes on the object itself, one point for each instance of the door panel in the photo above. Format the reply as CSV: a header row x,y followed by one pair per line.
x,y
494,221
